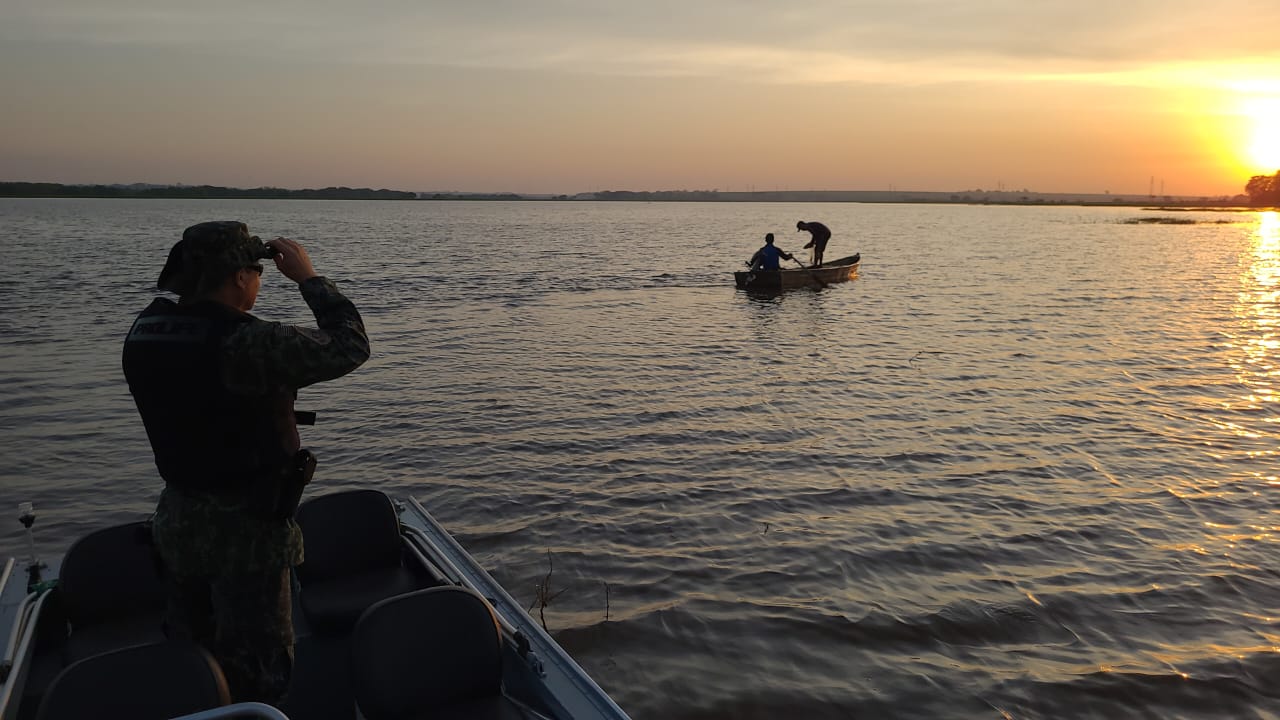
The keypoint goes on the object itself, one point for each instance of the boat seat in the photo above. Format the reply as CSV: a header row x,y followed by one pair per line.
x,y
353,557
434,653
143,682
111,591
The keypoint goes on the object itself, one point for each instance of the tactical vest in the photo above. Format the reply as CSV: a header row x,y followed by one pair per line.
x,y
205,438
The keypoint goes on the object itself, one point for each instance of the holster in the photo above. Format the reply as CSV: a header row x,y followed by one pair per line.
x,y
300,473
277,497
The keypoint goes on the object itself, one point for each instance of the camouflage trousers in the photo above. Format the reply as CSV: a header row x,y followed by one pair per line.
x,y
229,579
245,620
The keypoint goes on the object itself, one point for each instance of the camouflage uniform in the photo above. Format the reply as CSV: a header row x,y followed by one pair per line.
x,y
229,568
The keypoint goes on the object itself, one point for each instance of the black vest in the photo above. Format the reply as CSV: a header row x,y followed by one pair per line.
x,y
205,437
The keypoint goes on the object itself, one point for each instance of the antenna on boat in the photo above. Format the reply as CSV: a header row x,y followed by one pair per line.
x,y
27,516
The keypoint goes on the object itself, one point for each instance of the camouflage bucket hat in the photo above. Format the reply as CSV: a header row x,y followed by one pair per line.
x,y
207,253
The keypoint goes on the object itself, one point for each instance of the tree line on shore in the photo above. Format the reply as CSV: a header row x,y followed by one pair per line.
x,y
1260,191
1264,190
26,189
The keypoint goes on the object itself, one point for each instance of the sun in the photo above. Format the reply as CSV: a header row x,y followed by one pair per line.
x,y
1264,142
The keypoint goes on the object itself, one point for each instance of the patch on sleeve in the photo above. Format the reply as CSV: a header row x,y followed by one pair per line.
x,y
314,335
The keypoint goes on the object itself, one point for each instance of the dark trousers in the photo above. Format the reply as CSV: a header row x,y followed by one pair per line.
x,y
817,254
246,622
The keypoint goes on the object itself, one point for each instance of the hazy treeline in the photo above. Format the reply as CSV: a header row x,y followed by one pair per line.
x,y
26,189
1261,190
475,196
661,195
1264,190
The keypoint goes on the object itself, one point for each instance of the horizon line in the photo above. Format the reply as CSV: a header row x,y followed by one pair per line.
x,y
777,191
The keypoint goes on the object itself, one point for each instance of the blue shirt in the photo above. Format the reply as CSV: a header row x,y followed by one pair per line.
x,y
767,257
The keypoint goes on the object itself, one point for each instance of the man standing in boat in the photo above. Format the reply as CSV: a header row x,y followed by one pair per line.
x,y
820,235
766,258
215,387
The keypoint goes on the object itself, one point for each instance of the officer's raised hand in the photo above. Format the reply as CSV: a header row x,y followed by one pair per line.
x,y
292,260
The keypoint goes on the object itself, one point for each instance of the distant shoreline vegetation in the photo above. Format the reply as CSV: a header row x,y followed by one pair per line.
x,y
1264,190
1260,191
51,190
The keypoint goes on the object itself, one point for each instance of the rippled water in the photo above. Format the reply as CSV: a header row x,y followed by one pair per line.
x,y
1023,466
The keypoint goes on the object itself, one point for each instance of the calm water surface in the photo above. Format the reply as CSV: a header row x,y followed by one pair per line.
x,y
1024,466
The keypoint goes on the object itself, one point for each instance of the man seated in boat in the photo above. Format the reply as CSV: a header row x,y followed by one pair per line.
x,y
767,257
820,235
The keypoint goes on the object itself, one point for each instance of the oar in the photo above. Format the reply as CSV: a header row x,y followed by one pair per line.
x,y
812,274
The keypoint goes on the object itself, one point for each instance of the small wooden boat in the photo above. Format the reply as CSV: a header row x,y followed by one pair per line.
x,y
393,618
773,280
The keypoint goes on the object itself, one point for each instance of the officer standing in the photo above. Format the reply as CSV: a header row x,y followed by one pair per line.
x,y
215,387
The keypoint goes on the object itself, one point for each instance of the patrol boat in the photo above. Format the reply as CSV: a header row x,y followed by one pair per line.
x,y
393,619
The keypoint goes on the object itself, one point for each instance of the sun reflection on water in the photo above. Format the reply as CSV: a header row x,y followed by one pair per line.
x,y
1259,315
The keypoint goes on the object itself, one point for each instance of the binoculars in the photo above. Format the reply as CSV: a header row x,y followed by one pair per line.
x,y
266,252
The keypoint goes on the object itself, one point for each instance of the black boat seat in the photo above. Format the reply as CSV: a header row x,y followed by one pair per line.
x,y
434,653
143,682
111,591
353,557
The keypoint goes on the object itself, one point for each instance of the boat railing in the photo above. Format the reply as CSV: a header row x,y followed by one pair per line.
x,y
258,710
23,617
17,650
6,663
542,649
422,549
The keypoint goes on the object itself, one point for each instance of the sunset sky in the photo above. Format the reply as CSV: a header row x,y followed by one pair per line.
x,y
566,96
